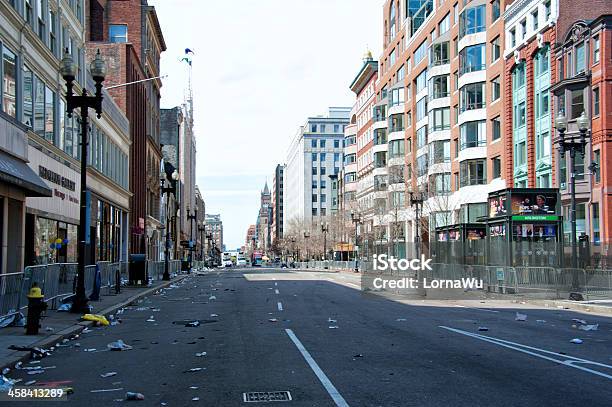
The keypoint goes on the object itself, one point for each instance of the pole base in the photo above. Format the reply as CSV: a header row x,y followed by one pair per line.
x,y
80,306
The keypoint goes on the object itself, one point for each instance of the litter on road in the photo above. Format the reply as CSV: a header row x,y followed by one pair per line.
x,y
134,396
6,384
193,387
520,317
577,340
192,324
194,369
213,315
273,320
109,374
483,328
592,327
29,382
540,321
118,345
195,399
401,319
331,321
579,321
99,319
200,354
333,327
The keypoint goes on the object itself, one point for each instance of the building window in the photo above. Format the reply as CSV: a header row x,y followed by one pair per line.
x,y
117,33
534,19
577,103
456,13
596,101
494,10
473,134
9,82
52,32
39,108
322,170
323,184
495,49
421,109
314,197
523,29
512,38
444,25
580,59
28,11
439,54
314,170
473,172
336,143
322,157
421,136
396,148
472,21
40,29
438,87
336,128
439,152
421,81
596,49
314,184
495,89
472,96
336,157
496,163
322,142
323,212
314,156
313,143
496,122
314,211
520,115
547,10
313,129
49,115
472,59
439,119
595,222
420,53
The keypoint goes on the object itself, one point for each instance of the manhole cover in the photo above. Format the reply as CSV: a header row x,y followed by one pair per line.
x,y
265,396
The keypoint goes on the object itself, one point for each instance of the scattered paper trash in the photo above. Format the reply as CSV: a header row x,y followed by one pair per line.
x,y
212,297
5,371
332,321
333,327
273,320
195,369
200,354
109,374
520,317
106,390
359,355
118,345
483,328
134,396
86,331
401,319
540,321
193,387
49,329
192,324
33,372
100,319
18,365
89,350
29,382
576,340
195,399
213,315
592,327
151,319
579,321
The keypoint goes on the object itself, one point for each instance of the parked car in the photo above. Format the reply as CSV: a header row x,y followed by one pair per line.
x,y
228,263
241,262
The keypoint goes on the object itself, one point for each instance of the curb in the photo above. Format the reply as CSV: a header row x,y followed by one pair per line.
x,y
81,325
573,305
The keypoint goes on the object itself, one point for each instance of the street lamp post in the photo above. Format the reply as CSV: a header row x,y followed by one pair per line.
x,y
306,236
68,70
572,145
356,220
324,229
170,189
202,230
191,218
416,200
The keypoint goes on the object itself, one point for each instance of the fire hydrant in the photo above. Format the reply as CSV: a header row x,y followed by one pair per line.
x,y
36,306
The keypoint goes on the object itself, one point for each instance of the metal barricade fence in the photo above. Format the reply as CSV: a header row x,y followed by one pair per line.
x,y
11,293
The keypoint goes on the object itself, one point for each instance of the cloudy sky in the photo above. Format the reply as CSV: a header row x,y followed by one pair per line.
x,y
260,68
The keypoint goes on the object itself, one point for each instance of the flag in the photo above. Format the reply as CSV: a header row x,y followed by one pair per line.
x,y
188,51
186,59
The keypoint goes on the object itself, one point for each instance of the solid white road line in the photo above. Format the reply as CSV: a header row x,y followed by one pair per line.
x,y
479,309
276,291
331,389
530,350
280,306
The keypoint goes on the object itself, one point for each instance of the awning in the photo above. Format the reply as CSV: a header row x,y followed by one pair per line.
x,y
16,172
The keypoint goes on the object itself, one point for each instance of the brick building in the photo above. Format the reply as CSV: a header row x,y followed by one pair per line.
x,y
129,37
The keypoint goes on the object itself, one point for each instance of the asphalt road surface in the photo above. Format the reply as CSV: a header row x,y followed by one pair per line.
x,y
318,337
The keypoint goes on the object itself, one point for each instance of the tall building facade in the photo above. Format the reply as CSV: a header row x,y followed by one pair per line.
x,y
130,39
33,36
278,203
438,114
315,153
263,225
214,229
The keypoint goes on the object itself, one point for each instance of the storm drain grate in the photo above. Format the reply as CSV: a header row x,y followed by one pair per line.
x,y
265,396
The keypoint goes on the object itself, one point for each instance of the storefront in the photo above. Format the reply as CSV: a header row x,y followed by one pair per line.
x,y
525,227
51,222
107,225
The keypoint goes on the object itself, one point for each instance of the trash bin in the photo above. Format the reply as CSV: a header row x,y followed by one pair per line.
x,y
138,269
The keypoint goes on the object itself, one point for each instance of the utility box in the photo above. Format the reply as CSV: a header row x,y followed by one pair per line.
x,y
138,270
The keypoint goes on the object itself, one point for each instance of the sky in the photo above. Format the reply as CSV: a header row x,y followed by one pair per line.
x,y
260,68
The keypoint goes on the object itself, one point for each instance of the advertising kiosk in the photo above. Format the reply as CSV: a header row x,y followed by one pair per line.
x,y
525,227
462,243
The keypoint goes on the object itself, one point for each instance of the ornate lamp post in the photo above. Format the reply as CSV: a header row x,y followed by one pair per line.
x,y
170,189
191,218
68,70
202,230
573,145
356,219
306,236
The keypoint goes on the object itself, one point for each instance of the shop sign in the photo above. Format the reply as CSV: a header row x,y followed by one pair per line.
x,y
535,217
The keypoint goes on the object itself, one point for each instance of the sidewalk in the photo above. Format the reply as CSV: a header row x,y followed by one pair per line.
x,y
65,324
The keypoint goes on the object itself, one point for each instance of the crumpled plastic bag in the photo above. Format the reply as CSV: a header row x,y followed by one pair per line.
x,y
101,319
520,317
65,307
118,345
5,384
592,327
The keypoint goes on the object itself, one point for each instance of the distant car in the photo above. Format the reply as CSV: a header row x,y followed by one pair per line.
x,y
241,262
228,263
